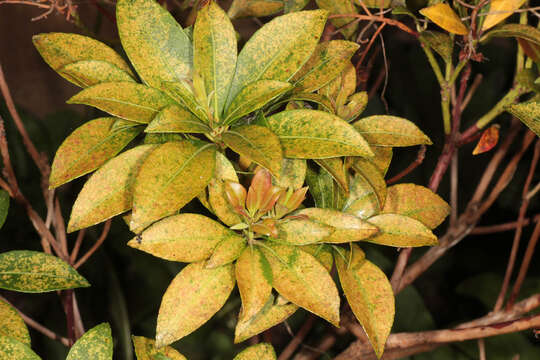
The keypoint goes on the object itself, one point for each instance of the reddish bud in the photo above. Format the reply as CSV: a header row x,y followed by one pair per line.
x,y
266,227
292,200
271,198
488,140
236,194
260,185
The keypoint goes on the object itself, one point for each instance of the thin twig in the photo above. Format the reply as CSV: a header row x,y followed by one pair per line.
x,y
96,245
420,156
77,246
388,21
298,338
490,229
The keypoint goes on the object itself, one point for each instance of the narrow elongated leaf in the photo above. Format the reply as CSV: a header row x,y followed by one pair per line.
x,y
217,200
145,349
293,174
528,113
96,343
500,10
444,16
362,200
341,7
89,147
519,31
258,8
262,351
371,298
13,349
335,167
401,231
170,177
254,277
440,42
108,192
87,73
37,272
278,49
183,237
192,298
175,119
4,206
127,100
182,93
372,178
302,279
257,143
154,42
303,231
385,130
316,134
12,324
227,251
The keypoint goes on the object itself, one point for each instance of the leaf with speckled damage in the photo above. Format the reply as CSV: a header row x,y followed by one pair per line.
x,y
528,113
12,324
341,7
145,349
12,349
37,272
385,130
4,206
401,231
293,174
95,344
261,351
87,73
176,119
243,8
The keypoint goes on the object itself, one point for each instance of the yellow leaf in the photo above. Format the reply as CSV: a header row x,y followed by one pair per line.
x,y
12,324
254,277
258,8
145,349
500,10
385,130
176,119
303,232
228,250
401,231
444,16
261,351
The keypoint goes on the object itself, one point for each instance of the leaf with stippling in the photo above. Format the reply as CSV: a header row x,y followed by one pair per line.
x,y
371,298
108,192
528,113
217,202
354,107
303,280
362,200
488,140
12,324
262,351
182,93
382,158
343,86
321,100
87,73
293,174
347,228
341,7
500,10
4,206
175,119
170,177
13,349
258,8
214,53
89,147
228,250
257,143
192,298
183,237
440,42
372,177
254,277
325,191
316,134
37,272
335,167
401,231
127,100
327,62
145,349
96,343
294,5
154,42
321,252
376,4
385,130
519,31
444,16
253,97
303,231
278,49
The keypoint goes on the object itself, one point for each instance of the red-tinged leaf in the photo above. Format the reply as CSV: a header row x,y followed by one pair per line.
x,y
488,140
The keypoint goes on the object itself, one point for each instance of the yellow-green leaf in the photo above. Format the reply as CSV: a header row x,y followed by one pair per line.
x,y
175,119
37,272
127,100
303,231
108,192
154,42
217,200
262,351
4,206
89,147
145,349
254,277
321,252
355,106
170,177
372,177
228,250
192,298
303,280
258,8
343,86
519,31
335,167
294,5
316,134
401,231
87,73
440,42
371,298
417,202
182,93
325,191
443,15
382,158
13,349
12,324
500,10
183,237
376,4
293,174
362,200
341,7
95,344
386,130
528,113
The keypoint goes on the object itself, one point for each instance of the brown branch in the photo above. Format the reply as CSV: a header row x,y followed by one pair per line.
x,y
298,338
388,21
96,245
77,246
420,156
482,230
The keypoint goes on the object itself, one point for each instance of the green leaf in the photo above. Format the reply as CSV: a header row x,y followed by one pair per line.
x,y
184,237
145,349
126,100
347,228
170,177
89,147
13,349
316,134
520,31
293,174
206,290
341,7
371,298
154,42
37,272
326,193
303,231
301,279
258,8
182,93
175,119
4,206
12,324
257,143
94,205
416,202
528,113
87,73
227,251
254,277
376,4
401,231
362,200
367,172
440,42
321,252
278,49
385,130
262,351
96,343
335,167
294,5
326,63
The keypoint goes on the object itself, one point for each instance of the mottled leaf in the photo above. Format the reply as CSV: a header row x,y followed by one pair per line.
x,y
303,231
343,86
262,351
444,16
254,277
13,349
382,158
519,31
362,200
258,8
341,7
182,93
401,231
175,119
294,5
145,349
321,252
528,113
4,206
37,272
12,324
326,193
354,107
488,140
500,10
441,43
293,174
372,178
217,201
95,344
376,4
228,250
385,130
87,73
335,167
321,100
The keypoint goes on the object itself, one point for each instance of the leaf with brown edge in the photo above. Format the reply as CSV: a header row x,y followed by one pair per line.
x,y
416,202
183,237
170,177
321,252
192,298
500,10
303,231
257,143
303,280
341,7
401,231
109,191
13,349
12,324
87,73
385,130
528,113
228,250
258,8
488,140
347,228
175,119
262,351
443,15
335,167
89,147
316,134
362,200
146,349
155,43
96,344
293,174
371,298
254,278
126,100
